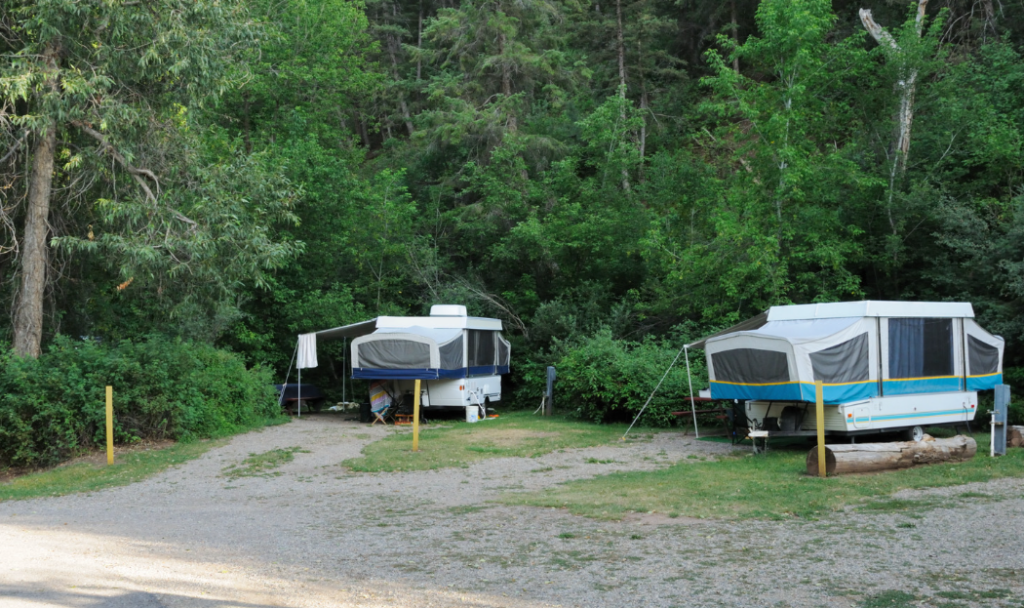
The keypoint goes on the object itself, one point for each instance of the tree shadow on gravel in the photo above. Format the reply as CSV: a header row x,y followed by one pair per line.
x,y
44,596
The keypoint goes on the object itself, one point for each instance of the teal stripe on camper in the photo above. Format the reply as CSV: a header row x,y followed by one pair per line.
x,y
981,383
911,386
910,415
837,394
787,391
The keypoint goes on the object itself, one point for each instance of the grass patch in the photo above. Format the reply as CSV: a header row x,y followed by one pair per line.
x,y
516,434
889,599
262,464
764,486
89,477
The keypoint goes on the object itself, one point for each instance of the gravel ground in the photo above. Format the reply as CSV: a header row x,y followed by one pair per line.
x,y
317,535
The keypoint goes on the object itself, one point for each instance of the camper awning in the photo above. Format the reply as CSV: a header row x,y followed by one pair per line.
x,y
748,325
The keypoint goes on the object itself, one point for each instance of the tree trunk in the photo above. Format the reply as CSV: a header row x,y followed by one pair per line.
x,y
870,457
735,35
1015,436
622,75
506,81
28,316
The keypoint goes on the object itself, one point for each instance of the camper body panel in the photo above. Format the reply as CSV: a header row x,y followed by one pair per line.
x,y
459,392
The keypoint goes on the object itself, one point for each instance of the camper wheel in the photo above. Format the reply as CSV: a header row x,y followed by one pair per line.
x,y
914,434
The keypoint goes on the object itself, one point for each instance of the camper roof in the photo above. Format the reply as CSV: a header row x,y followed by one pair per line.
x,y
871,308
435,321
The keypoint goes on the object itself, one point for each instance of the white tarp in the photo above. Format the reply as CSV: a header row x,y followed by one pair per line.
x,y
307,351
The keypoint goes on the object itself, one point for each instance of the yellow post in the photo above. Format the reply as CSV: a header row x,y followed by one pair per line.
x,y
110,425
416,418
819,403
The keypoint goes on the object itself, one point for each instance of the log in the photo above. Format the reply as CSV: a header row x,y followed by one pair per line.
x,y
1015,436
868,457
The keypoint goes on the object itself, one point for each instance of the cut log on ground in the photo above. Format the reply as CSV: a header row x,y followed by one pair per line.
x,y
868,457
1015,436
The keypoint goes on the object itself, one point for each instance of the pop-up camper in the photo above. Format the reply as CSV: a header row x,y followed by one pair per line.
x,y
461,358
883,365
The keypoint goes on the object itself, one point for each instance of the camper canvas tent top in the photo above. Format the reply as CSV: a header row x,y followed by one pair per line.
x,y
858,350
462,357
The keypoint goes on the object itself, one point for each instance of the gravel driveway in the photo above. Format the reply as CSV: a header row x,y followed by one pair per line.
x,y
317,535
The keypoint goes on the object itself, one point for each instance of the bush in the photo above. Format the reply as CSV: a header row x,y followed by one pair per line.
x,y
602,379
53,408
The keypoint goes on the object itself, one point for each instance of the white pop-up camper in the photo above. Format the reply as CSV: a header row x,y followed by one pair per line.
x,y
461,358
883,365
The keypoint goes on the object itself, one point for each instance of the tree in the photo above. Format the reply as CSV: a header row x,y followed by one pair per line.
x,y
96,82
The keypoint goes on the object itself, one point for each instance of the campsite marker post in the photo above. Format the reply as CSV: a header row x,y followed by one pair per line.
x,y
110,425
416,417
819,405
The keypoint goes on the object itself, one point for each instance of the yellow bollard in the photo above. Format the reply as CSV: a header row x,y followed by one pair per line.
x,y
110,425
819,403
416,418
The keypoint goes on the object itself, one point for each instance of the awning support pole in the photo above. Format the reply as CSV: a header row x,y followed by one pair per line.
x,y
665,375
344,369
299,396
280,398
689,380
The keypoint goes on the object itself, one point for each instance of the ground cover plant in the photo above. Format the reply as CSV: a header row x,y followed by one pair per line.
x,y
95,474
458,444
53,408
763,486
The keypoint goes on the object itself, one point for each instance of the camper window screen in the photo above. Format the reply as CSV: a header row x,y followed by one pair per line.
x,y
502,351
451,354
394,354
750,366
920,348
984,357
481,348
845,362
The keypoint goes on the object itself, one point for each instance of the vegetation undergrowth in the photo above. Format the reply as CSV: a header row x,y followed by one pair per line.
x,y
770,486
53,408
89,476
515,434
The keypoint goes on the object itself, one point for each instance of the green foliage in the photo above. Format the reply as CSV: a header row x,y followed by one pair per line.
x,y
603,379
54,407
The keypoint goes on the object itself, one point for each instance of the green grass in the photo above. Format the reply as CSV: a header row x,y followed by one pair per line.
x,y
771,486
458,444
262,464
88,477
889,599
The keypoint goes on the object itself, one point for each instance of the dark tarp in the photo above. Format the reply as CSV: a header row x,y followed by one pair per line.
x,y
749,325
750,366
844,362
984,357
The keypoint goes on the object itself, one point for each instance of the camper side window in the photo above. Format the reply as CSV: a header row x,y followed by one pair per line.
x,y
920,348
481,348
750,366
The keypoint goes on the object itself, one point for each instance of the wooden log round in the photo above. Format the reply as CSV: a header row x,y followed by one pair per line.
x,y
1015,436
842,459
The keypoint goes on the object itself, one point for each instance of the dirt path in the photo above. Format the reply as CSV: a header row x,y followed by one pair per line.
x,y
317,535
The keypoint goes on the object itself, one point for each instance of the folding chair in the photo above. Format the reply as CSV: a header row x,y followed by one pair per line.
x,y
380,403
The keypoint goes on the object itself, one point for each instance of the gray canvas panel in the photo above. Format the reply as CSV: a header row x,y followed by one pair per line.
x,y
984,357
394,354
503,350
481,347
451,354
750,366
844,362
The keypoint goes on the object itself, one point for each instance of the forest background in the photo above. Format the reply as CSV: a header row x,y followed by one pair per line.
x,y
609,177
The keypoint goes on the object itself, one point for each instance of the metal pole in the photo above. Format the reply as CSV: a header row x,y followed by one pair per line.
x,y
653,392
280,398
416,417
693,406
298,388
344,369
110,425
819,408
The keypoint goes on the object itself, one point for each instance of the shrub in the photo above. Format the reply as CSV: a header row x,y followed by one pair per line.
x,y
602,379
53,407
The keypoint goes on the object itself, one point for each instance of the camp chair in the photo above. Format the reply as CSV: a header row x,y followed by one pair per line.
x,y
380,403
